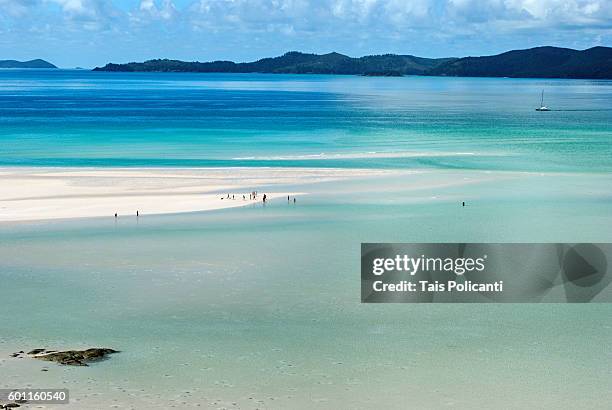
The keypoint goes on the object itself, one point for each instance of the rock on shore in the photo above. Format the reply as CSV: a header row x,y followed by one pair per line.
x,y
69,357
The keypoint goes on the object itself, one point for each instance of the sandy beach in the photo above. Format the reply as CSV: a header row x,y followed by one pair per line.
x,y
59,193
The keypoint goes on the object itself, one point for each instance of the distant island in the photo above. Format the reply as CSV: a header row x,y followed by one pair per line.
x,y
539,62
294,63
38,63
386,73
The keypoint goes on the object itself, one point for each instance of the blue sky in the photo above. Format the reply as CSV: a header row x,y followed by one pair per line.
x,y
87,33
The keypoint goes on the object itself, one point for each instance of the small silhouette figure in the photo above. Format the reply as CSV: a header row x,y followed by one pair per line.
x,y
115,215
264,198
463,203
137,213
294,200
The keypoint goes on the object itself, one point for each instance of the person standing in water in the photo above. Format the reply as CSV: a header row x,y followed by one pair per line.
x,y
264,198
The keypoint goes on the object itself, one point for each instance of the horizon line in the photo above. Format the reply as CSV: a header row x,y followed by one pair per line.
x,y
302,52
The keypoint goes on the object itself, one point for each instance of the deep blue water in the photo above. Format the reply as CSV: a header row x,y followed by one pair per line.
x,y
83,118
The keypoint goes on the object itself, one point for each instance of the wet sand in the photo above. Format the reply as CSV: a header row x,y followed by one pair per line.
x,y
59,193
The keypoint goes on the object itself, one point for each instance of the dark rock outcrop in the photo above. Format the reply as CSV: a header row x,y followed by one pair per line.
x,y
72,357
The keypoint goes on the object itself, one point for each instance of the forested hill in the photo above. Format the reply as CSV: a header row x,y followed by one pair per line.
x,y
295,63
38,63
539,62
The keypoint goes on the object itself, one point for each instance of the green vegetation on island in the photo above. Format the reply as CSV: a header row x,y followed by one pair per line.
x,y
539,62
294,63
38,63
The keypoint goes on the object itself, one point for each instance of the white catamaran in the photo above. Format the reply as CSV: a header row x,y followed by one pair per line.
x,y
542,106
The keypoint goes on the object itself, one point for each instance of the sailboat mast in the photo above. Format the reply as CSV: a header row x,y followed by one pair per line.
x,y
542,99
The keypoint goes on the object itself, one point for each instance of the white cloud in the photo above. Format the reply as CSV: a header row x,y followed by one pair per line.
x,y
165,11
319,15
262,27
402,14
147,5
91,15
72,6
15,8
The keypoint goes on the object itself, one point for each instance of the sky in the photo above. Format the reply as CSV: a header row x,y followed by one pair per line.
x,y
88,33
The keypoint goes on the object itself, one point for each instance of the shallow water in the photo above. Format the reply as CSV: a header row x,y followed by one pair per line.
x,y
259,307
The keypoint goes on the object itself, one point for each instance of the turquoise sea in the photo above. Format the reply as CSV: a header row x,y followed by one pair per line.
x,y
259,307
72,118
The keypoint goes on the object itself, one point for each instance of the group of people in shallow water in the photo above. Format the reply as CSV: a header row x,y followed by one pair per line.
x,y
137,214
253,197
